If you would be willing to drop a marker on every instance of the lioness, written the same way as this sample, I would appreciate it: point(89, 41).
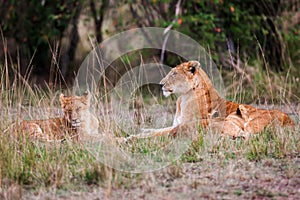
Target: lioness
point(76, 121)
point(200, 103)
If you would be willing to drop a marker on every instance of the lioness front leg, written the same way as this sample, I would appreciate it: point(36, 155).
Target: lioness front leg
point(151, 133)
point(185, 128)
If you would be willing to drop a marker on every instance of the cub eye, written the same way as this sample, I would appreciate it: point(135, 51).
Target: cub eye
point(173, 74)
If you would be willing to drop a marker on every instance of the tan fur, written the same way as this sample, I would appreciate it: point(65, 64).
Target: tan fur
point(232, 125)
point(76, 121)
point(199, 100)
point(257, 119)
point(80, 109)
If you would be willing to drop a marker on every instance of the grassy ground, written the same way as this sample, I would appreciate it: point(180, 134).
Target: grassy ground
point(217, 168)
point(264, 167)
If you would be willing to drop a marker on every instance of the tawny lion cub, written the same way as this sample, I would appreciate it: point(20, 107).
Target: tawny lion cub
point(257, 119)
point(199, 101)
point(75, 122)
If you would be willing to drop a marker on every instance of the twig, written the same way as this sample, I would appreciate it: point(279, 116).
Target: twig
point(167, 31)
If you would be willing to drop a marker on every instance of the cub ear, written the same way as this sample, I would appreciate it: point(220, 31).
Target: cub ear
point(238, 112)
point(243, 111)
point(193, 66)
point(61, 97)
point(242, 108)
point(87, 95)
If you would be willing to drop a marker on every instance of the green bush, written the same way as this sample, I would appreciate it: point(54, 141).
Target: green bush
point(241, 27)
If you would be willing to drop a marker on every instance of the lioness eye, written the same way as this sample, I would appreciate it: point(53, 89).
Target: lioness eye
point(173, 73)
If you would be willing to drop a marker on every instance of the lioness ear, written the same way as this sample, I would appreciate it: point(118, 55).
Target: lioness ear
point(192, 69)
point(193, 65)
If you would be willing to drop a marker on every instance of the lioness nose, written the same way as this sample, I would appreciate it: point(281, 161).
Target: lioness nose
point(162, 83)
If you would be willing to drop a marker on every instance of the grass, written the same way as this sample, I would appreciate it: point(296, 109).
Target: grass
point(264, 166)
point(62, 169)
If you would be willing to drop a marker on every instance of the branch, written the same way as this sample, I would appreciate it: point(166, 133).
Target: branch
point(98, 19)
point(167, 31)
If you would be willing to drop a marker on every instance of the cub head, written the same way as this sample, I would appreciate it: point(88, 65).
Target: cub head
point(74, 107)
point(181, 79)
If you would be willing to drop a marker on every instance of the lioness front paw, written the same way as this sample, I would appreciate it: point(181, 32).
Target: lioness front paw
point(129, 139)
point(147, 130)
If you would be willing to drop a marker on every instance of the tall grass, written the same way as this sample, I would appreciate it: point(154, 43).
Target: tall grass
point(33, 165)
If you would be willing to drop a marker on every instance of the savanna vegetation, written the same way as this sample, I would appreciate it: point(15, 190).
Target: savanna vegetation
point(255, 44)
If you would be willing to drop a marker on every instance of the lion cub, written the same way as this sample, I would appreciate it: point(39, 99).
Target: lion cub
point(257, 119)
point(75, 123)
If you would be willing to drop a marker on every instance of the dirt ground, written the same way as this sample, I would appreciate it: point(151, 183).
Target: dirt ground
point(214, 177)
point(207, 179)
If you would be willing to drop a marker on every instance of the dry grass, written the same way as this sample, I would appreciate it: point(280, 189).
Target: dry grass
point(265, 166)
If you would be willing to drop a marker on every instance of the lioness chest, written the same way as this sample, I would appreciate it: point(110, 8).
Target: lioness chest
point(193, 108)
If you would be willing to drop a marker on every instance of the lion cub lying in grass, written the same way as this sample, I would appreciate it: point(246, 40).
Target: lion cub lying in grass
point(200, 104)
point(75, 123)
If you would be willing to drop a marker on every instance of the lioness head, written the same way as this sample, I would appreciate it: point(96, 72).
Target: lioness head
point(74, 107)
point(181, 79)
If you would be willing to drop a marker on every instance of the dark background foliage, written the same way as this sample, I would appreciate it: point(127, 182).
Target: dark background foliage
point(41, 36)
